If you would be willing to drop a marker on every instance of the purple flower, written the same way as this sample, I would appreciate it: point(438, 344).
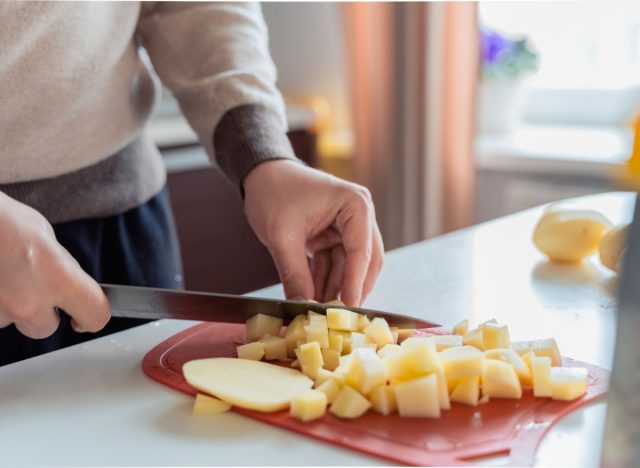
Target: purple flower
point(493, 46)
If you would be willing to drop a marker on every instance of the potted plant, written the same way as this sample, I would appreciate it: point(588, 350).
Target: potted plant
point(505, 65)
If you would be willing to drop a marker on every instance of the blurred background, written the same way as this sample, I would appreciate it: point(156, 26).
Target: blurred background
point(451, 113)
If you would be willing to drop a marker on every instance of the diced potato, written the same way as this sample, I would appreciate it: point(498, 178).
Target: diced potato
point(416, 358)
point(394, 333)
point(541, 370)
point(473, 338)
point(247, 384)
point(360, 338)
point(317, 332)
point(366, 371)
point(331, 358)
point(260, 325)
point(371, 346)
point(322, 376)
point(349, 404)
point(335, 343)
point(341, 373)
point(500, 380)
point(443, 391)
point(295, 333)
point(568, 383)
point(378, 331)
point(315, 317)
point(446, 341)
point(342, 319)
point(546, 347)
point(495, 335)
point(308, 405)
point(461, 328)
point(452, 383)
point(330, 388)
point(310, 358)
point(206, 405)
point(418, 397)
point(274, 347)
point(404, 333)
point(462, 361)
point(345, 337)
point(569, 235)
point(383, 400)
point(253, 351)
point(389, 349)
point(612, 245)
point(467, 391)
point(363, 321)
point(508, 355)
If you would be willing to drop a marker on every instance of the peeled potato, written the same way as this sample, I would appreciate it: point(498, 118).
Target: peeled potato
point(612, 246)
point(570, 235)
point(247, 384)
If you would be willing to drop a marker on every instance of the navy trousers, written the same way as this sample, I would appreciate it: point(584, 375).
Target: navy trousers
point(138, 247)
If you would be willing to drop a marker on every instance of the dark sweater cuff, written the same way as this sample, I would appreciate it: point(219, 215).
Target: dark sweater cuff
point(247, 136)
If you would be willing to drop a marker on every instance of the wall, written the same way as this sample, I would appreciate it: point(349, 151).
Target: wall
point(307, 45)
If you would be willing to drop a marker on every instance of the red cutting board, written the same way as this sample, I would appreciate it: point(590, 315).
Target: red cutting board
point(500, 426)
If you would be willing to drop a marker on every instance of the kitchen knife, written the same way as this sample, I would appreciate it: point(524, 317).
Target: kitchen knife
point(152, 303)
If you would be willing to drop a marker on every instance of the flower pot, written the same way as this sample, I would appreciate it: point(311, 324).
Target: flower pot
point(500, 104)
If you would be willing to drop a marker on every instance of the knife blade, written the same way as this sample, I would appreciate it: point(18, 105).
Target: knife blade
point(154, 303)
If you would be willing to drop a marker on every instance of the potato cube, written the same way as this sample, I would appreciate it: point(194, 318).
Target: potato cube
point(546, 347)
point(378, 331)
point(371, 346)
point(388, 349)
point(253, 351)
point(295, 333)
point(404, 333)
point(342, 319)
point(331, 358)
point(473, 338)
point(363, 321)
point(462, 361)
point(416, 358)
point(467, 391)
point(260, 325)
point(274, 347)
point(418, 397)
point(541, 370)
point(341, 373)
point(322, 376)
point(330, 388)
point(317, 332)
point(500, 380)
point(495, 335)
point(345, 338)
point(461, 327)
point(349, 404)
point(443, 391)
point(335, 343)
point(568, 383)
point(205, 405)
point(366, 371)
point(383, 400)
point(394, 333)
point(317, 320)
point(308, 405)
point(446, 341)
point(510, 356)
point(359, 338)
point(310, 358)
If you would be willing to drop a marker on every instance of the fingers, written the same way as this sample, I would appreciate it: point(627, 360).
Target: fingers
point(39, 323)
point(377, 256)
point(334, 280)
point(324, 241)
point(292, 264)
point(320, 264)
point(81, 297)
point(355, 224)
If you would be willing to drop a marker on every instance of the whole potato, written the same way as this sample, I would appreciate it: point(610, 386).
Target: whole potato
point(569, 236)
point(612, 244)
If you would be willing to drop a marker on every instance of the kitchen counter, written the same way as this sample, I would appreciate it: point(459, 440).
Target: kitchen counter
point(92, 405)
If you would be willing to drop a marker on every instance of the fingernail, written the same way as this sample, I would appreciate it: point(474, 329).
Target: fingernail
point(298, 298)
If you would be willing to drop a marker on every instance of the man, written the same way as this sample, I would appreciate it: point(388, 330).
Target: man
point(81, 185)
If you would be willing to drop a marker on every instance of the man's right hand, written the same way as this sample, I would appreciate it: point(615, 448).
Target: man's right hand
point(37, 275)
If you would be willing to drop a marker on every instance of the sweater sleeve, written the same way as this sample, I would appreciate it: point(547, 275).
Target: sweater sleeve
point(215, 59)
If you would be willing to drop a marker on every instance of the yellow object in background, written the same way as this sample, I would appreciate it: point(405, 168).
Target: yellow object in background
point(630, 177)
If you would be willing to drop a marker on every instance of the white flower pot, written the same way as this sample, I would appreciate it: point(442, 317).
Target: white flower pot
point(500, 105)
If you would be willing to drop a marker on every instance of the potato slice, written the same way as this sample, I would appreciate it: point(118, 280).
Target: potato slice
point(247, 384)
point(570, 235)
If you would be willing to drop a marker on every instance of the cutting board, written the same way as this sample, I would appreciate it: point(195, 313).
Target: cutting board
point(501, 426)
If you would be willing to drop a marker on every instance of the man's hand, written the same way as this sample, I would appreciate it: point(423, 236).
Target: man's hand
point(320, 230)
point(37, 275)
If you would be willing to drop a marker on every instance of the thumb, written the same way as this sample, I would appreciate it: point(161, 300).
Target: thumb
point(293, 268)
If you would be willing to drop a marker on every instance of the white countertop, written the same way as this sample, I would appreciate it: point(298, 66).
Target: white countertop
point(92, 405)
